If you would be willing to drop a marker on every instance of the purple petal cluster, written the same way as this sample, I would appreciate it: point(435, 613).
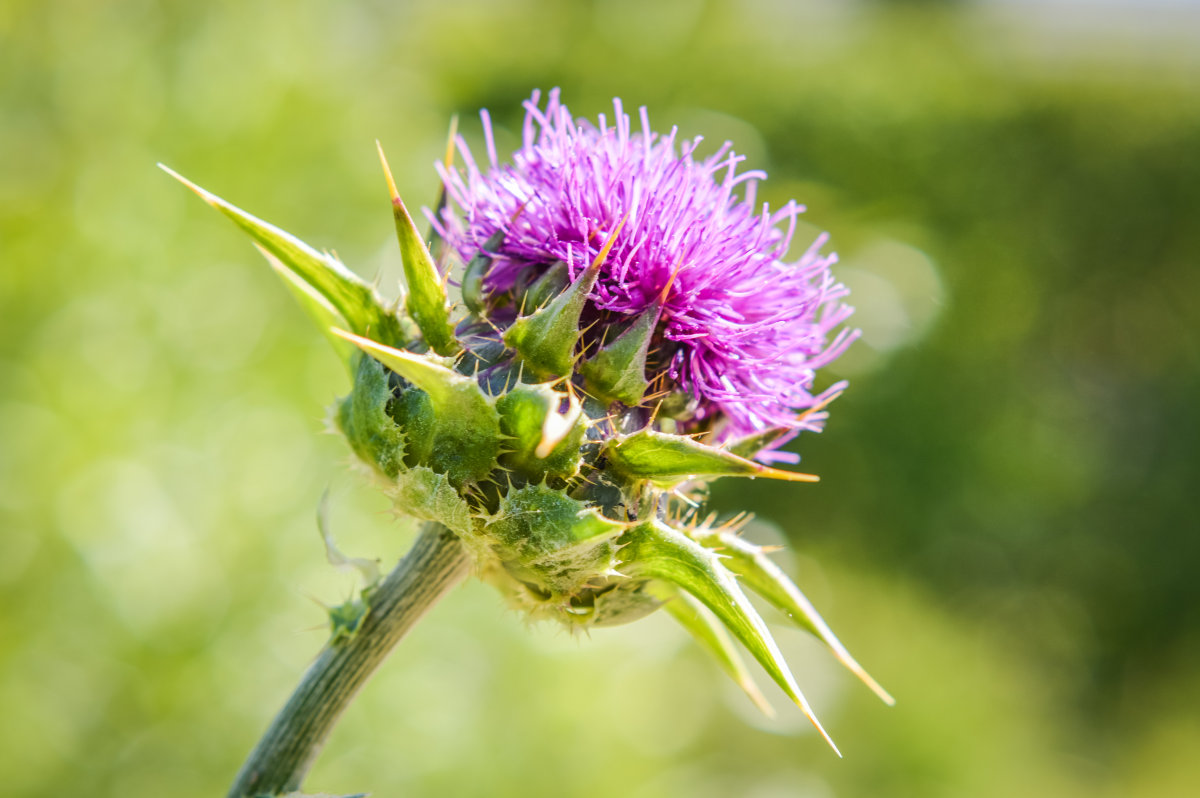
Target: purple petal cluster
point(744, 330)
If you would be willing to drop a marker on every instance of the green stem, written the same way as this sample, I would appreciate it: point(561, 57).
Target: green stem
point(282, 758)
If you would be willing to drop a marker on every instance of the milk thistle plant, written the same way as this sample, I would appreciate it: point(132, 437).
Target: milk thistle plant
point(625, 330)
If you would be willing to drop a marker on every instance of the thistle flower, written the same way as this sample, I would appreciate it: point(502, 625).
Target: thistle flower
point(629, 331)
point(741, 330)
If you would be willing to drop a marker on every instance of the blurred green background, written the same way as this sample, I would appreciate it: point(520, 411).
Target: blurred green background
point(1005, 533)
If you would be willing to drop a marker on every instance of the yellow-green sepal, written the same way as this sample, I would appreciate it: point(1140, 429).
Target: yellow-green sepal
point(318, 308)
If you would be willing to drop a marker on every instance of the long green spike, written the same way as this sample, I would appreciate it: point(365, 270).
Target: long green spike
point(352, 298)
point(315, 305)
point(426, 301)
point(546, 338)
point(701, 624)
point(657, 551)
point(767, 579)
point(667, 460)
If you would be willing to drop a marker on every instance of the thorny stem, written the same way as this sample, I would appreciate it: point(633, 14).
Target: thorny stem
point(282, 758)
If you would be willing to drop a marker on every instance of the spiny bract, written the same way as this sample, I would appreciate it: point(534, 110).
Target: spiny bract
point(627, 334)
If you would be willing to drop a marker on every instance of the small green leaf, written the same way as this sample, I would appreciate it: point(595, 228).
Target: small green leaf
point(693, 616)
point(535, 520)
point(426, 301)
point(668, 460)
point(344, 620)
point(465, 439)
point(767, 579)
point(343, 290)
point(656, 551)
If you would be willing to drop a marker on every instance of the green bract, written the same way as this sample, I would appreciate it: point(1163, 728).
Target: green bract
point(541, 453)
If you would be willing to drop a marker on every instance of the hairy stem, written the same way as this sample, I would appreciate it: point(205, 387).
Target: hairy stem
point(289, 747)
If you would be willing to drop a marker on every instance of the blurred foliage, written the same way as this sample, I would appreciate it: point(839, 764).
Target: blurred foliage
point(1005, 528)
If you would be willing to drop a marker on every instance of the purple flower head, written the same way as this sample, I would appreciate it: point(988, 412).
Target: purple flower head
point(742, 330)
